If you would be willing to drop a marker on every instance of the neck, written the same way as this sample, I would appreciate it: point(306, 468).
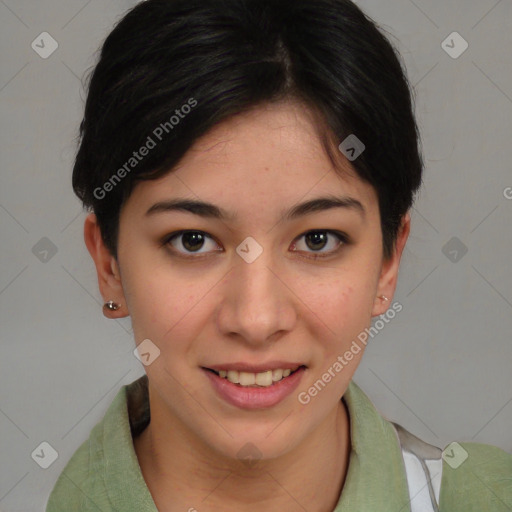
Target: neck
point(187, 476)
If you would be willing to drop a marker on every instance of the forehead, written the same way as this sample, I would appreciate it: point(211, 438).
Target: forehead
point(268, 157)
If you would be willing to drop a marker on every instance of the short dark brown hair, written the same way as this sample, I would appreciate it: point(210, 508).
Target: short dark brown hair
point(177, 68)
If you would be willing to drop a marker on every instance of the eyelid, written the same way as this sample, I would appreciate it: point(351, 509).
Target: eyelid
point(342, 237)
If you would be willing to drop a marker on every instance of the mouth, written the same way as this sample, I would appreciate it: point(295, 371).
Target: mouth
point(262, 379)
point(254, 387)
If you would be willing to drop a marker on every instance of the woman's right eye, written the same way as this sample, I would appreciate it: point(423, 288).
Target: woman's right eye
point(188, 243)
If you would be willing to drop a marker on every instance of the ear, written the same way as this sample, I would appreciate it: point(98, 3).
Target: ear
point(389, 271)
point(107, 268)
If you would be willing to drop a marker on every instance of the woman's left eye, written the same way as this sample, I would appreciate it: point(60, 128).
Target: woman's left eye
point(318, 239)
point(188, 243)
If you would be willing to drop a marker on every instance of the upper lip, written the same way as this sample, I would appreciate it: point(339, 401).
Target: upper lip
point(254, 368)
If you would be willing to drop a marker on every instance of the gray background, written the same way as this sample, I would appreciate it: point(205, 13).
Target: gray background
point(441, 368)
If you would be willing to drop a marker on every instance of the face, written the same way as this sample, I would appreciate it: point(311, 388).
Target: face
point(252, 283)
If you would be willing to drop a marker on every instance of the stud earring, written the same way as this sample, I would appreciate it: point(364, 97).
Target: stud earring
point(111, 306)
point(383, 297)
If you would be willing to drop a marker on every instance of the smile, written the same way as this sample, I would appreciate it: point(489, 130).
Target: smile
point(255, 390)
point(261, 379)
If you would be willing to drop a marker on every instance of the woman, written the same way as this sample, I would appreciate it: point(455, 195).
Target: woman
point(250, 166)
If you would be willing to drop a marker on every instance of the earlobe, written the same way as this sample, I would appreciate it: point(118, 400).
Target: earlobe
point(107, 269)
point(389, 272)
point(381, 305)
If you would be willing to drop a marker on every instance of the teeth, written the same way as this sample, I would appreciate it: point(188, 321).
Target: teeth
point(277, 375)
point(247, 379)
point(262, 379)
point(233, 376)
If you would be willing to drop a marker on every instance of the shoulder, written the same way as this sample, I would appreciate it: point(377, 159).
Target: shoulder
point(81, 484)
point(77, 485)
point(464, 477)
point(476, 476)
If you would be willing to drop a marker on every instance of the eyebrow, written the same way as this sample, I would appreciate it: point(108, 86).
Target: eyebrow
point(209, 210)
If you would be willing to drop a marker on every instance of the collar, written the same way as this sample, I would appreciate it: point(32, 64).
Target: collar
point(375, 478)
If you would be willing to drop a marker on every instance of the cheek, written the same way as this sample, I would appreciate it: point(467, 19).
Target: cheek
point(342, 301)
point(150, 299)
point(167, 307)
point(344, 306)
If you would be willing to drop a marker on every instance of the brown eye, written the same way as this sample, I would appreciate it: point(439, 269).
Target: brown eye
point(317, 240)
point(186, 242)
point(192, 241)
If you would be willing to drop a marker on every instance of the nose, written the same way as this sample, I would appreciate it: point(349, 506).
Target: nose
point(257, 305)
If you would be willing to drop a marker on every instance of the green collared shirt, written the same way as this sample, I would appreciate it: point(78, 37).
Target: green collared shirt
point(104, 473)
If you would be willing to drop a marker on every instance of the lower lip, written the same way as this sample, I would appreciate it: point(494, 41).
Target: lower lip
point(253, 397)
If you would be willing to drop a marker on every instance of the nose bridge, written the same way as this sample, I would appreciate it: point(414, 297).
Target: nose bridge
point(256, 304)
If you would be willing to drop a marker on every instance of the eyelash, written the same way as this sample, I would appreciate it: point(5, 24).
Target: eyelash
point(342, 237)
